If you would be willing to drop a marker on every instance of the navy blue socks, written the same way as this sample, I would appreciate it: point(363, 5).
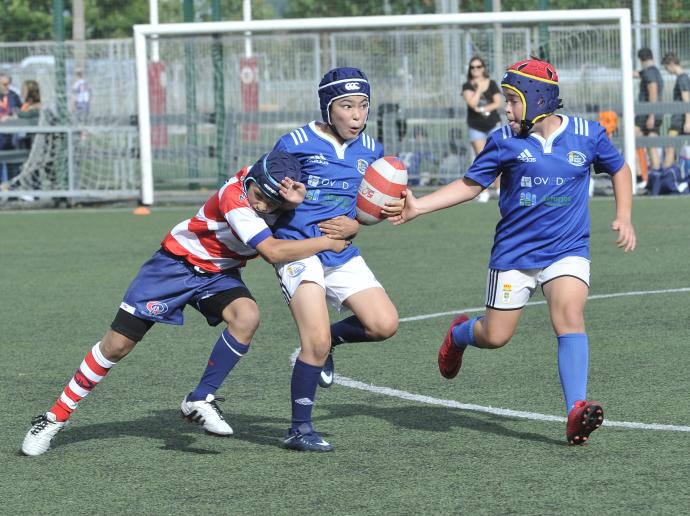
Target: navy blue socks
point(305, 378)
point(348, 330)
point(225, 355)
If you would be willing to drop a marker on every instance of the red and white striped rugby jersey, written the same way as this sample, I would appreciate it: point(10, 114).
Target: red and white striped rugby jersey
point(224, 233)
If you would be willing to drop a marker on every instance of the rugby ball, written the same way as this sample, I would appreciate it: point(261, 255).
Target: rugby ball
point(384, 180)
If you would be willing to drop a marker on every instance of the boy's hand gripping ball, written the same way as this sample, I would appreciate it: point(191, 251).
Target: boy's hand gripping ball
point(384, 180)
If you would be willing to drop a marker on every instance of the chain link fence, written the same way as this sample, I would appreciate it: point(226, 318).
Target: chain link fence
point(203, 129)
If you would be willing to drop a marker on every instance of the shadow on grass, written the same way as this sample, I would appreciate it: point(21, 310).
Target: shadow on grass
point(175, 433)
point(436, 419)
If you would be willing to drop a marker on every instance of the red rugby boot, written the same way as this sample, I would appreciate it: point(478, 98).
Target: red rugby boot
point(449, 356)
point(584, 418)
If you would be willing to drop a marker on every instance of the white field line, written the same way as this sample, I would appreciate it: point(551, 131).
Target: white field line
point(543, 302)
point(419, 398)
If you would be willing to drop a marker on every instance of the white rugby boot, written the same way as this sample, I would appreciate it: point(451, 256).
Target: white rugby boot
point(207, 413)
point(44, 428)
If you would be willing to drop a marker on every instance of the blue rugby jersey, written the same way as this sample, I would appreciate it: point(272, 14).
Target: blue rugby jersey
point(544, 191)
point(332, 174)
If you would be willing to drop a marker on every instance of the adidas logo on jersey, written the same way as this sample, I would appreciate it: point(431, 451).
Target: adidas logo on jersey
point(319, 159)
point(526, 157)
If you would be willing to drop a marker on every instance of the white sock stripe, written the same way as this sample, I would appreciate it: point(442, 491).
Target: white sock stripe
point(230, 346)
point(77, 389)
point(88, 372)
point(98, 356)
point(68, 401)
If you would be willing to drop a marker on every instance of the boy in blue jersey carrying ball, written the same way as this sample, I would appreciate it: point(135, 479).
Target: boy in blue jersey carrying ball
point(334, 155)
point(542, 238)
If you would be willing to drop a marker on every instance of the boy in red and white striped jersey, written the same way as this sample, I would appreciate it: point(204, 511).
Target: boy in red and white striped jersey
point(199, 264)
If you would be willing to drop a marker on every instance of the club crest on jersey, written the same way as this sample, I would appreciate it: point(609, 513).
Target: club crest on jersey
point(295, 269)
point(576, 158)
point(156, 308)
point(362, 166)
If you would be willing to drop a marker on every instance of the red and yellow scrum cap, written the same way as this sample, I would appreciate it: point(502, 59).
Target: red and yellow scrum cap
point(536, 82)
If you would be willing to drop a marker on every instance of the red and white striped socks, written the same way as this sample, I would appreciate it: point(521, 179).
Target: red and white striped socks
point(92, 370)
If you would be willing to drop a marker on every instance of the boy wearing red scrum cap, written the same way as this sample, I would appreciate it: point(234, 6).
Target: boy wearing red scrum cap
point(542, 238)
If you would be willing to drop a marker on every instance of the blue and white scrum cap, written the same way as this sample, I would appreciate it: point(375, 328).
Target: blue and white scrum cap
point(270, 170)
point(338, 83)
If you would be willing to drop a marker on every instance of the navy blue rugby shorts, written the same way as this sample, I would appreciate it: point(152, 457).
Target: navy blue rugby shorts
point(165, 284)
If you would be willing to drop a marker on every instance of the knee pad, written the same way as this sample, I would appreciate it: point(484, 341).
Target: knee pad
point(130, 326)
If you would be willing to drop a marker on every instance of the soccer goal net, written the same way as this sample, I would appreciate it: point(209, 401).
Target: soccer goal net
point(83, 141)
point(213, 97)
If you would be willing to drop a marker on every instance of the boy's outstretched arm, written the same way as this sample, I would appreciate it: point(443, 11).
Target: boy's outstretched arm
point(622, 191)
point(409, 207)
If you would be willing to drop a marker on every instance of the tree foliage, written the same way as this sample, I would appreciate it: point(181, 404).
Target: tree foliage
point(25, 20)
point(113, 18)
point(32, 20)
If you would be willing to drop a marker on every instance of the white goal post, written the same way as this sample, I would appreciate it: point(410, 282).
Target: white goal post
point(143, 33)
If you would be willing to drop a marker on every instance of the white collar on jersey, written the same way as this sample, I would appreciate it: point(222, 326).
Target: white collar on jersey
point(548, 144)
point(337, 147)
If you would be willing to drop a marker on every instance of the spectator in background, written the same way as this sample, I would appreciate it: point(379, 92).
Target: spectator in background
point(651, 87)
point(81, 95)
point(30, 109)
point(483, 98)
point(15, 90)
point(680, 121)
point(9, 104)
point(31, 106)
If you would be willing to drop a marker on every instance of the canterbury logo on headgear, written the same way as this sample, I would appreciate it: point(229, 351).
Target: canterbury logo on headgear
point(338, 83)
point(350, 84)
point(267, 186)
